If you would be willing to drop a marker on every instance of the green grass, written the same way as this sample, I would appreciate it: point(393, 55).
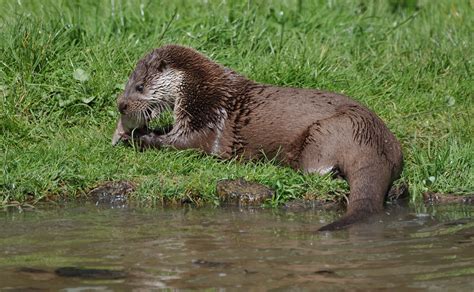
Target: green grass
point(64, 62)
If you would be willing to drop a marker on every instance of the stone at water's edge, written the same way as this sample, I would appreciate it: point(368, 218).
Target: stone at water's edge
point(438, 198)
point(398, 193)
point(112, 194)
point(243, 193)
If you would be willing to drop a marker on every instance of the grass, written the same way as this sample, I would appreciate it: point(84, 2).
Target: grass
point(64, 62)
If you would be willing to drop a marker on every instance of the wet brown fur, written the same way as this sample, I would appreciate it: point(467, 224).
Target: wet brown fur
point(222, 113)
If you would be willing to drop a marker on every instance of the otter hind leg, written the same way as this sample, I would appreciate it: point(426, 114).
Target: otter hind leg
point(316, 154)
point(329, 147)
point(368, 187)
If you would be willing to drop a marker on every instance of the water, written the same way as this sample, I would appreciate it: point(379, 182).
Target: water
point(235, 249)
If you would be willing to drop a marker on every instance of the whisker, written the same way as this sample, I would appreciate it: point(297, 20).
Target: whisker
point(146, 116)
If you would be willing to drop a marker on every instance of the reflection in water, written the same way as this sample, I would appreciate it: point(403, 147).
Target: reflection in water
point(235, 248)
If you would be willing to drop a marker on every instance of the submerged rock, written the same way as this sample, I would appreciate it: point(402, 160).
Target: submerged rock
point(85, 273)
point(243, 193)
point(89, 273)
point(112, 194)
point(325, 272)
point(210, 264)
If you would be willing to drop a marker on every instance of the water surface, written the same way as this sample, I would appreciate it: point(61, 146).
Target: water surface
point(236, 248)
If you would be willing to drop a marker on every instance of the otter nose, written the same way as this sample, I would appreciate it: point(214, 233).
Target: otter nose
point(122, 107)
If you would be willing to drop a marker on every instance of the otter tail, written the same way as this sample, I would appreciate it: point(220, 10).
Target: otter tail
point(368, 187)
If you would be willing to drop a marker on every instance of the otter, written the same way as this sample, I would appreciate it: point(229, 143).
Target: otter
point(222, 113)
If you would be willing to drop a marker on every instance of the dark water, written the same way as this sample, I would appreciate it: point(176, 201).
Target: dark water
point(143, 249)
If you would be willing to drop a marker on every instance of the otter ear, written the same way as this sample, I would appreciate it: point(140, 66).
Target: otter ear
point(162, 66)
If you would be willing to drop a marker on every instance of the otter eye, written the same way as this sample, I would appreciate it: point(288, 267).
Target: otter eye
point(139, 88)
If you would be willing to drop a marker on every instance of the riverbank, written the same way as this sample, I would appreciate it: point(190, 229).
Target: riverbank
point(63, 65)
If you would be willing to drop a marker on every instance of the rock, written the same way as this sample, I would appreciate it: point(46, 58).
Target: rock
point(398, 193)
point(112, 194)
point(243, 193)
point(439, 198)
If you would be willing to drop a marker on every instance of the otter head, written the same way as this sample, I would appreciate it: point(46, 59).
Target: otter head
point(152, 88)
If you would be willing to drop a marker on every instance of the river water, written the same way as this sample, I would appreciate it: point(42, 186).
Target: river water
point(110, 249)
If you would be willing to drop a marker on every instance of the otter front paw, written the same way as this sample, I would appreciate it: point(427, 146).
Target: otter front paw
point(141, 139)
point(148, 141)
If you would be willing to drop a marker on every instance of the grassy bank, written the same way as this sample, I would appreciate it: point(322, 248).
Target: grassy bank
point(63, 63)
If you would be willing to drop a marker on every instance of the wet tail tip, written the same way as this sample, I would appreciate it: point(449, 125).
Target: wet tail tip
point(342, 223)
